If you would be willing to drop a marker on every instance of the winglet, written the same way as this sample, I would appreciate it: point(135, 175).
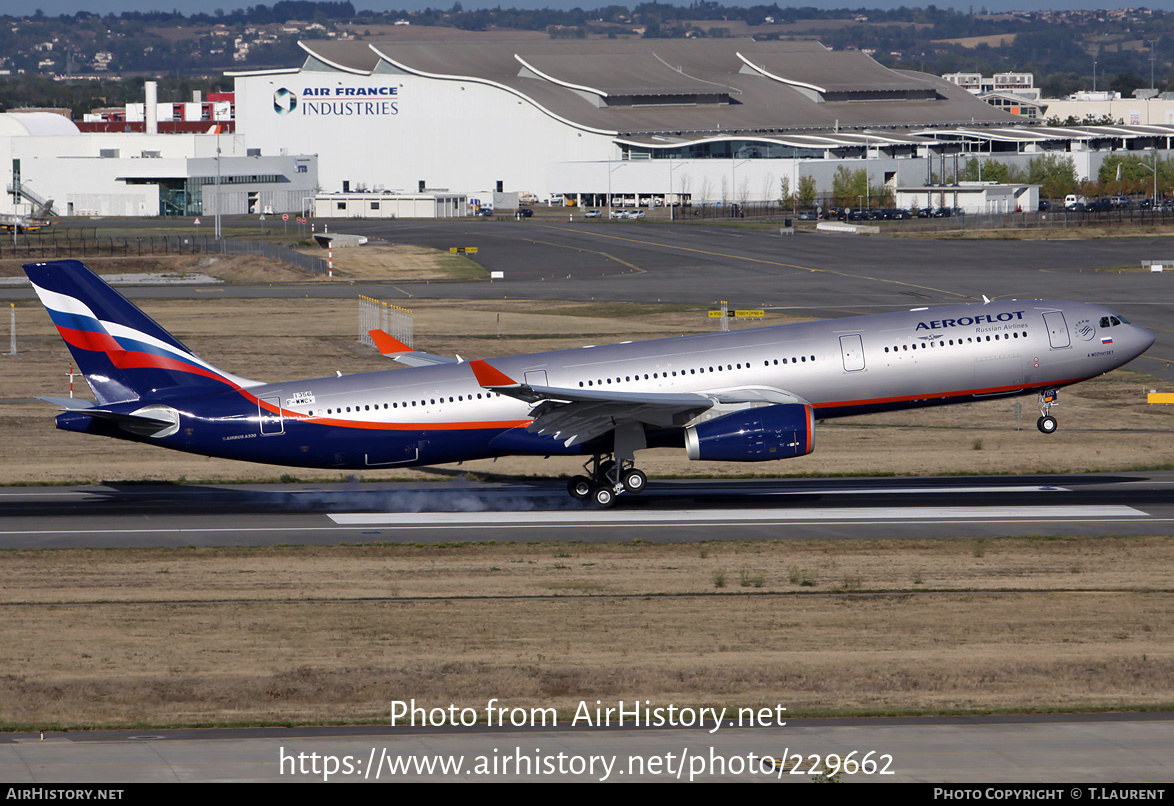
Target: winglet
point(489, 377)
point(387, 344)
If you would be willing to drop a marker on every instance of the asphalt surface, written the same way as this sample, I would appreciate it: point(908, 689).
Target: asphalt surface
point(668, 511)
point(817, 275)
point(1080, 748)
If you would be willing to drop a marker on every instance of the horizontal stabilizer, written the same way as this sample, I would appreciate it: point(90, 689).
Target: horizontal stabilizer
point(395, 349)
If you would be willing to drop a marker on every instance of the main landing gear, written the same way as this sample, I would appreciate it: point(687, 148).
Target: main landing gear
point(1047, 423)
point(608, 479)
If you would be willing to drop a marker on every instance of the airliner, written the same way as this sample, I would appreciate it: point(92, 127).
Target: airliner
point(740, 396)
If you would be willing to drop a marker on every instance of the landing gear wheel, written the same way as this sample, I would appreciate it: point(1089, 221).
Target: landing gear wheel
point(603, 497)
point(1046, 425)
point(635, 481)
point(579, 487)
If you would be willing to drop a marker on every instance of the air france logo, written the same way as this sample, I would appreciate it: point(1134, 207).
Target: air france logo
point(284, 101)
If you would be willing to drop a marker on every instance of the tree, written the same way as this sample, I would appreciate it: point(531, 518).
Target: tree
point(1055, 174)
point(807, 191)
point(847, 185)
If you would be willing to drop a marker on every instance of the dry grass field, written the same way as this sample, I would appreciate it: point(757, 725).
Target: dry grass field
point(221, 636)
point(313, 634)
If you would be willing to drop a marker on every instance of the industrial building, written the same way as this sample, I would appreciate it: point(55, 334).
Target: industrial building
point(643, 121)
point(587, 120)
point(102, 173)
point(627, 122)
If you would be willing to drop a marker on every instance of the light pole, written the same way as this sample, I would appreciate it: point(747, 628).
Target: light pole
point(610, 171)
point(672, 198)
point(218, 198)
point(1154, 169)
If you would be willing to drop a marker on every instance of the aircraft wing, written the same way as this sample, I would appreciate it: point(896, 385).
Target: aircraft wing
point(578, 415)
point(396, 350)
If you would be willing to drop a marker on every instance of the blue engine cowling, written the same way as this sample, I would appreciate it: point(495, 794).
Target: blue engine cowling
point(754, 435)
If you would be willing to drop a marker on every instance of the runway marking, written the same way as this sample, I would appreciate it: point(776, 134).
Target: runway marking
point(577, 517)
point(1019, 488)
point(188, 531)
point(760, 260)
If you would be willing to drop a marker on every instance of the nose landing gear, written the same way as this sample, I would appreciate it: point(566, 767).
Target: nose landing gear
point(1047, 423)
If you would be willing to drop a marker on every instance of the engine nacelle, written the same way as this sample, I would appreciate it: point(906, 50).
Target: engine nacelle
point(757, 434)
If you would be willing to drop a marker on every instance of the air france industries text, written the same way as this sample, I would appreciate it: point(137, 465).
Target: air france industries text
point(630, 714)
point(349, 108)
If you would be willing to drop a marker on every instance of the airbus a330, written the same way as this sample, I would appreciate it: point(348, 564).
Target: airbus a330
point(742, 396)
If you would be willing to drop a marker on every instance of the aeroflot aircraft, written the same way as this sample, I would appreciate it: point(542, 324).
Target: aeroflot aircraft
point(742, 396)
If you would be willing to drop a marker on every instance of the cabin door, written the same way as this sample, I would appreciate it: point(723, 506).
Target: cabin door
point(853, 351)
point(1057, 329)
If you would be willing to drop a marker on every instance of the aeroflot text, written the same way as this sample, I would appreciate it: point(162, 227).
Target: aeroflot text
point(965, 321)
point(633, 714)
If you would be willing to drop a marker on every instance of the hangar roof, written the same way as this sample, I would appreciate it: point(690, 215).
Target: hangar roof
point(20, 124)
point(681, 86)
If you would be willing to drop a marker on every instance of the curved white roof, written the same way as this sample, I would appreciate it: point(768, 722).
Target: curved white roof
point(22, 124)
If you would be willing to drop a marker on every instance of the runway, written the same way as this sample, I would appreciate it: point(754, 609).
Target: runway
point(669, 511)
point(1075, 748)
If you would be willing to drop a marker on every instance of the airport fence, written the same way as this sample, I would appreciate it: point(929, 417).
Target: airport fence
point(1049, 219)
point(43, 247)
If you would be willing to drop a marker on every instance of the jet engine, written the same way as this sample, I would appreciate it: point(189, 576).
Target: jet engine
point(758, 434)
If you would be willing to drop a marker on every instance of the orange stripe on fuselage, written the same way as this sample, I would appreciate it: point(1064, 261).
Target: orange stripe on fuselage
point(937, 395)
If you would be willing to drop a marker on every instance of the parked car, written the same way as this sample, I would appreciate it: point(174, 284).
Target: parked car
point(637, 214)
point(593, 214)
point(619, 213)
point(524, 212)
point(484, 212)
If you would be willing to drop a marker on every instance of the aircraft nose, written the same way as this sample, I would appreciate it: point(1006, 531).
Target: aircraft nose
point(1145, 339)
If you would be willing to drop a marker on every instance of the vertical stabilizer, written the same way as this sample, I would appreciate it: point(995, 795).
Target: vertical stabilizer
point(123, 353)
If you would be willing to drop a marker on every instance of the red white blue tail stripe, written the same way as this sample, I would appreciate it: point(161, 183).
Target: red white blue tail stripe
point(124, 354)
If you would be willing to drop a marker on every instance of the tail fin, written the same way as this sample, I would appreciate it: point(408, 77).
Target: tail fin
point(122, 352)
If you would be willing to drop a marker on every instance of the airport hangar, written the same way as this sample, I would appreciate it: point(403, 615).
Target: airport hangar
point(643, 121)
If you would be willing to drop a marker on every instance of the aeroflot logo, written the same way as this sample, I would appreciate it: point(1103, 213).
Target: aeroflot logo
point(963, 321)
point(337, 101)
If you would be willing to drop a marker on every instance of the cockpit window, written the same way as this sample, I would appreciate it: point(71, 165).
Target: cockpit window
point(1104, 321)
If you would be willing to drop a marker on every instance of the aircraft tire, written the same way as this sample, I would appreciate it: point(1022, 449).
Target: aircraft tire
point(579, 487)
point(635, 481)
point(1046, 425)
point(604, 497)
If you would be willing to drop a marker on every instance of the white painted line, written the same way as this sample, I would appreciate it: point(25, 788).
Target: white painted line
point(583, 517)
point(1020, 488)
point(408, 527)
